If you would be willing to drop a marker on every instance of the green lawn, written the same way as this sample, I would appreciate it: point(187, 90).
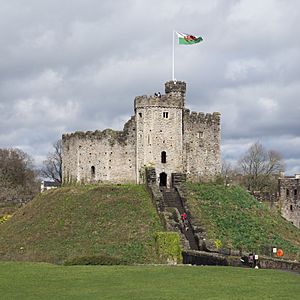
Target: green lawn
point(45, 281)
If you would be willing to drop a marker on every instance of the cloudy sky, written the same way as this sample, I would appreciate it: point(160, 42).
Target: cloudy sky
point(68, 65)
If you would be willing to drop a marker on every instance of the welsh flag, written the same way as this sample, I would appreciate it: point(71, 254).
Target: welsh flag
point(187, 39)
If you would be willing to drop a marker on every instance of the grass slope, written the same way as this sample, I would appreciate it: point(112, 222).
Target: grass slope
point(233, 218)
point(43, 281)
point(112, 220)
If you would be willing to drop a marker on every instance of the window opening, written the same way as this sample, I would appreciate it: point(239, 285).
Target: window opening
point(164, 157)
point(93, 171)
point(140, 114)
point(166, 114)
point(295, 192)
point(291, 207)
point(287, 192)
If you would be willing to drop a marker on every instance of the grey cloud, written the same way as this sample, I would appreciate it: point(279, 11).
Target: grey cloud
point(77, 65)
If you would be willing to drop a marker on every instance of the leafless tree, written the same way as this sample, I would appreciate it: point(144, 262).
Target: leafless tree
point(18, 177)
point(52, 166)
point(227, 171)
point(260, 167)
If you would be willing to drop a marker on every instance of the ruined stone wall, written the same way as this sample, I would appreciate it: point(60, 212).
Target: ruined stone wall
point(202, 139)
point(159, 129)
point(100, 156)
point(289, 189)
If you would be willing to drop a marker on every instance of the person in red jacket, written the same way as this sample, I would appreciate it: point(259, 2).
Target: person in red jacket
point(184, 220)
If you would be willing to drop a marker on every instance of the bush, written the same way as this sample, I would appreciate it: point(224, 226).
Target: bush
point(95, 260)
point(4, 218)
point(168, 247)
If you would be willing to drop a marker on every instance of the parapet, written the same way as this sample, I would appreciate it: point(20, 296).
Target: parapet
point(112, 136)
point(201, 117)
point(175, 86)
point(168, 100)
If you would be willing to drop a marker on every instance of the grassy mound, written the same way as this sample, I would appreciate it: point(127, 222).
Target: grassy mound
point(233, 218)
point(107, 221)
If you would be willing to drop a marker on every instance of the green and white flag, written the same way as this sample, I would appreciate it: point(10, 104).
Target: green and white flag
point(188, 39)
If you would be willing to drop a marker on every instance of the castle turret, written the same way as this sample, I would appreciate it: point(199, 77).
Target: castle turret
point(159, 132)
point(175, 86)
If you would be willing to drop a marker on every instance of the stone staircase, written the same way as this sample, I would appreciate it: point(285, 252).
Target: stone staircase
point(172, 199)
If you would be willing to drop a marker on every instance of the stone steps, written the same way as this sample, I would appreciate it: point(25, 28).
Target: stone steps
point(172, 199)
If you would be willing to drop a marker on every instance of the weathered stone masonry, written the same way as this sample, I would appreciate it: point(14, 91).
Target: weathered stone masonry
point(289, 190)
point(162, 134)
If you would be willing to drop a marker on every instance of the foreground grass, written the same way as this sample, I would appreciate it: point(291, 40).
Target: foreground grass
point(237, 220)
point(44, 281)
point(112, 220)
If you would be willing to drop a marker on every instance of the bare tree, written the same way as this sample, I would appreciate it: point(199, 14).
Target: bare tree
point(52, 166)
point(18, 177)
point(227, 171)
point(259, 167)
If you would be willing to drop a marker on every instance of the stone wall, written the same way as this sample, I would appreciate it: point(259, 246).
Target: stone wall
point(264, 262)
point(162, 134)
point(159, 129)
point(202, 138)
point(100, 156)
point(289, 190)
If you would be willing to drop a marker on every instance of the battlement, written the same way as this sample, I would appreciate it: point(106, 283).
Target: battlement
point(112, 136)
point(201, 117)
point(163, 101)
point(175, 86)
point(161, 133)
point(174, 97)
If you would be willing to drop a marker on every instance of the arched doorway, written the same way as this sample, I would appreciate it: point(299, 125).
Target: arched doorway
point(163, 179)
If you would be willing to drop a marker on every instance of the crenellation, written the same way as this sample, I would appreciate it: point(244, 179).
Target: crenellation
point(161, 134)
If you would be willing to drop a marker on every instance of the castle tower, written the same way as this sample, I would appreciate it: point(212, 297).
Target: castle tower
point(159, 132)
point(162, 134)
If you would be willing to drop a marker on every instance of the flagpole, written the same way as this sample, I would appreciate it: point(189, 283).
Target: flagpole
point(173, 58)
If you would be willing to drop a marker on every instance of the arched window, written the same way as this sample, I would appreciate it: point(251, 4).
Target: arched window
point(164, 157)
point(93, 171)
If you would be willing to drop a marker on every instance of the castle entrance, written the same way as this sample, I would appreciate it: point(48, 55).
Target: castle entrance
point(163, 179)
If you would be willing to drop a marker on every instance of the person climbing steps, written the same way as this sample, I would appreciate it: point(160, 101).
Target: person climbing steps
point(185, 221)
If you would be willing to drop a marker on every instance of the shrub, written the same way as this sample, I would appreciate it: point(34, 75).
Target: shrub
point(4, 218)
point(168, 247)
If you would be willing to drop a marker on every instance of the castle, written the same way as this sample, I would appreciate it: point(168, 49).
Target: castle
point(289, 190)
point(162, 134)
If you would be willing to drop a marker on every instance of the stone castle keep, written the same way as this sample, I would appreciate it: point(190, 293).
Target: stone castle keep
point(162, 134)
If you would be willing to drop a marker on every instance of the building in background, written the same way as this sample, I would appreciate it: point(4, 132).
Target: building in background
point(289, 189)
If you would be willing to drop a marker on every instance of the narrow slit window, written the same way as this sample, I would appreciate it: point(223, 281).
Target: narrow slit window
point(163, 157)
point(93, 172)
point(291, 207)
point(295, 192)
point(287, 192)
point(140, 114)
